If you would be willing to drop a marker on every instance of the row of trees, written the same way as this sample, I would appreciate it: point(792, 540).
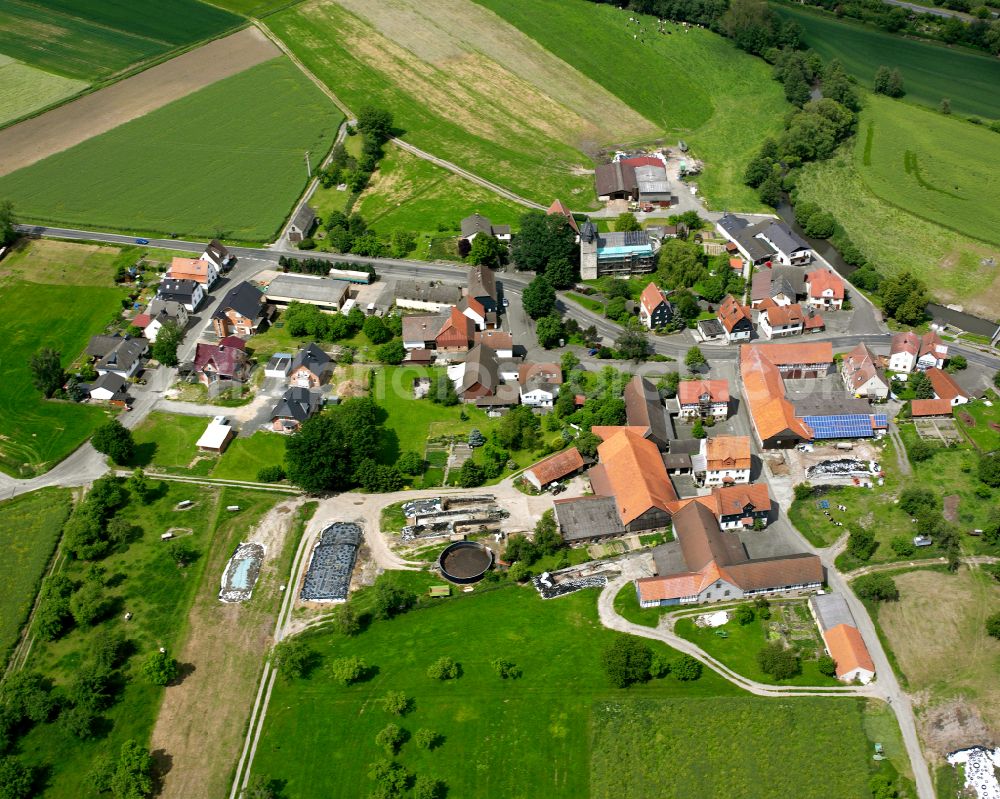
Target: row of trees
point(628, 660)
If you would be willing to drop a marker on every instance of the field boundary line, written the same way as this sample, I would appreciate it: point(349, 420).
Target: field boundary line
point(219, 482)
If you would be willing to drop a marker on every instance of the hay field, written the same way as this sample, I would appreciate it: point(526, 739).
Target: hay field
point(894, 239)
point(90, 39)
point(24, 89)
point(465, 86)
point(931, 71)
point(228, 159)
point(936, 632)
point(692, 83)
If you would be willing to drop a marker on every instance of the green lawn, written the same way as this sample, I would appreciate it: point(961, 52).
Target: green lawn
point(979, 432)
point(145, 580)
point(38, 433)
point(467, 108)
point(939, 174)
point(894, 239)
point(409, 193)
point(696, 85)
point(246, 456)
point(30, 526)
point(739, 650)
point(539, 722)
point(587, 302)
point(746, 747)
point(627, 605)
point(91, 40)
point(168, 440)
point(930, 71)
point(160, 173)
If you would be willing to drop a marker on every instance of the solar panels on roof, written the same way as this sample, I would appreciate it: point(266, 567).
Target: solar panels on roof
point(636, 238)
point(841, 426)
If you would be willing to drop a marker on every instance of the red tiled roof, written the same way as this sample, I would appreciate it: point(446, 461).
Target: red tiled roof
point(820, 280)
point(732, 312)
point(789, 354)
point(905, 342)
point(814, 321)
point(642, 160)
point(930, 407)
point(861, 365)
point(456, 331)
point(944, 385)
point(225, 359)
point(736, 264)
point(141, 320)
point(848, 649)
point(783, 315)
point(651, 297)
point(727, 452)
point(557, 207)
point(764, 391)
point(494, 339)
point(546, 372)
point(557, 466)
point(690, 392)
point(931, 343)
point(636, 475)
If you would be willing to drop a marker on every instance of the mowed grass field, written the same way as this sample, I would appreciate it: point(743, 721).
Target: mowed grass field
point(930, 71)
point(937, 167)
point(465, 86)
point(36, 433)
point(746, 747)
point(24, 89)
point(90, 39)
point(409, 193)
point(693, 84)
point(30, 527)
point(936, 631)
point(501, 738)
point(227, 161)
point(893, 239)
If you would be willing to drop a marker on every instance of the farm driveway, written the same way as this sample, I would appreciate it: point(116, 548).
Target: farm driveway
point(34, 139)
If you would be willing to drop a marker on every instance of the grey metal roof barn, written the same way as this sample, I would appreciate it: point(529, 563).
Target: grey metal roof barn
point(831, 610)
point(588, 518)
point(320, 291)
point(329, 576)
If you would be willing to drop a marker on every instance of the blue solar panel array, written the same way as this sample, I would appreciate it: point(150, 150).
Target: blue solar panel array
point(881, 421)
point(852, 425)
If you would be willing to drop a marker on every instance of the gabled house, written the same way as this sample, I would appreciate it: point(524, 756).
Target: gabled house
point(419, 332)
point(111, 388)
point(945, 387)
point(723, 460)
point(735, 319)
point(296, 405)
point(843, 641)
point(776, 320)
point(196, 269)
point(539, 384)
point(473, 225)
point(217, 254)
point(824, 289)
point(184, 292)
point(863, 374)
point(768, 242)
point(455, 334)
point(480, 375)
point(120, 355)
point(302, 223)
point(555, 467)
point(225, 361)
point(654, 309)
point(327, 294)
point(645, 412)
point(242, 312)
point(426, 295)
point(483, 288)
point(157, 314)
point(703, 399)
point(310, 368)
point(909, 351)
point(500, 341)
point(737, 506)
point(930, 408)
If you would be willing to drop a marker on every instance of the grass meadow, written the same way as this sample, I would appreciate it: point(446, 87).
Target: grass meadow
point(694, 84)
point(38, 433)
point(940, 174)
point(894, 239)
point(24, 89)
point(30, 527)
point(89, 40)
point(930, 71)
point(145, 580)
point(226, 161)
point(747, 747)
point(501, 738)
point(978, 430)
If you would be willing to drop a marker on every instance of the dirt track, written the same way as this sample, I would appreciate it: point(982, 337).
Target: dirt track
point(59, 129)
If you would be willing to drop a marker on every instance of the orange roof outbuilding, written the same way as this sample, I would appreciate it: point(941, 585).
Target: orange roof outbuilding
point(848, 649)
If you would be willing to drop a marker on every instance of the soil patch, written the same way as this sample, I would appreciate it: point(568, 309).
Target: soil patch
point(994, 426)
point(967, 419)
point(57, 130)
point(951, 507)
point(954, 725)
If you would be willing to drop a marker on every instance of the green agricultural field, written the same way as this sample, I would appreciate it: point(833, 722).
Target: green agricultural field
point(739, 648)
point(89, 40)
point(942, 172)
point(501, 738)
point(145, 580)
point(952, 265)
point(30, 527)
point(38, 433)
point(747, 747)
point(465, 107)
point(161, 173)
point(695, 84)
point(24, 89)
point(253, 8)
point(930, 71)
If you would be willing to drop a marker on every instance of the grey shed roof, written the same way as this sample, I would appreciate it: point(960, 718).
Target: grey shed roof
point(110, 381)
point(124, 356)
point(481, 366)
point(831, 610)
point(304, 218)
point(781, 236)
point(733, 224)
point(99, 346)
point(308, 289)
point(177, 288)
point(755, 248)
point(439, 293)
point(585, 518)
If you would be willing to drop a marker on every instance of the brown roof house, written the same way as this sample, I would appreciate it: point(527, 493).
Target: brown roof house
point(555, 467)
point(539, 384)
point(654, 309)
point(719, 569)
point(824, 289)
point(762, 369)
point(197, 269)
point(455, 334)
point(302, 223)
point(311, 367)
point(946, 388)
point(644, 411)
point(243, 312)
point(735, 319)
point(481, 374)
point(223, 362)
point(863, 374)
point(724, 460)
point(909, 351)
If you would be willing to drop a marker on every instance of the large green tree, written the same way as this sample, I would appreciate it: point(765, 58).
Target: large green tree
point(542, 238)
point(168, 338)
point(325, 453)
point(8, 223)
point(539, 298)
point(487, 250)
point(46, 371)
point(114, 440)
point(681, 264)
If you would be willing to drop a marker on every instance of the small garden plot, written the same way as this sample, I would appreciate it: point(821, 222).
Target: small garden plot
point(980, 421)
